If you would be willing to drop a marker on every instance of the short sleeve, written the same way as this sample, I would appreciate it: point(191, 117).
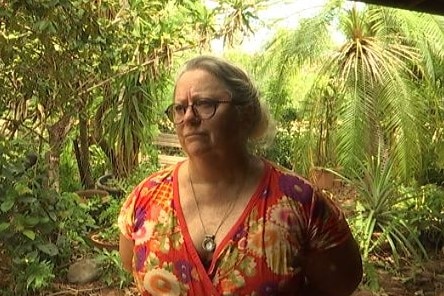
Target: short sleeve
point(133, 208)
point(327, 226)
point(125, 220)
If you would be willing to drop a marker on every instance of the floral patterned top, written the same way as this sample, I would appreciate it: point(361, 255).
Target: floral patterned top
point(284, 218)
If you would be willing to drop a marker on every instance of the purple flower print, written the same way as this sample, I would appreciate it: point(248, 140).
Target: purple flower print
point(240, 233)
point(295, 188)
point(140, 218)
point(140, 257)
point(183, 270)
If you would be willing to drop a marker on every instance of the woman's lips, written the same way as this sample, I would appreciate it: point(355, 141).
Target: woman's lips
point(193, 135)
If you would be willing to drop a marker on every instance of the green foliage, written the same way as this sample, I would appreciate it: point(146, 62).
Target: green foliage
point(381, 222)
point(426, 213)
point(106, 213)
point(112, 271)
point(69, 173)
point(382, 85)
point(433, 164)
point(371, 278)
point(38, 227)
point(145, 168)
point(33, 274)
point(281, 150)
point(107, 220)
point(100, 164)
point(95, 202)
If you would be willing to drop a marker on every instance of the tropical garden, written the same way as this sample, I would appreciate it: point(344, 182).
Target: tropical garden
point(357, 93)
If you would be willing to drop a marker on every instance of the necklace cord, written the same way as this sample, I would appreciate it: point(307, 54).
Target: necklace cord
point(225, 216)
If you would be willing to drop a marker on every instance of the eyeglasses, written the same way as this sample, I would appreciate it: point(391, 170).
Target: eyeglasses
point(203, 109)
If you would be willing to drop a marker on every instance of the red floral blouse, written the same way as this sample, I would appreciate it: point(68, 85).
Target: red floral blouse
point(284, 218)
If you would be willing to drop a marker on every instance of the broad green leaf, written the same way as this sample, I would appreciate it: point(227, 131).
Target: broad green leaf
point(49, 249)
point(3, 226)
point(32, 221)
point(41, 25)
point(29, 233)
point(22, 189)
point(6, 205)
point(52, 215)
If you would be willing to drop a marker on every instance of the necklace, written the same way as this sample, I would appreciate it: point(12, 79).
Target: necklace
point(209, 242)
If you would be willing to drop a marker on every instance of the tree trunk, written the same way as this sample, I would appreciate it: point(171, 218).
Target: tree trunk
point(53, 160)
point(82, 153)
point(57, 134)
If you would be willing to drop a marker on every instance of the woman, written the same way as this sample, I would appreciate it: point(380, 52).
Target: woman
point(225, 222)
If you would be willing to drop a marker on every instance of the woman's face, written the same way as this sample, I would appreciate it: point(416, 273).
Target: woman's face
point(218, 134)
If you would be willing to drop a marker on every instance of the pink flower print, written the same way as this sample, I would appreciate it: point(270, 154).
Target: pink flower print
point(144, 233)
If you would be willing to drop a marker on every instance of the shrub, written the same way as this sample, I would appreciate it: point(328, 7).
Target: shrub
point(426, 213)
point(39, 228)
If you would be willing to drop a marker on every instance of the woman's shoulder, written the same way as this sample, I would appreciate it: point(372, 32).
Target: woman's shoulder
point(294, 185)
point(288, 173)
point(160, 176)
point(154, 180)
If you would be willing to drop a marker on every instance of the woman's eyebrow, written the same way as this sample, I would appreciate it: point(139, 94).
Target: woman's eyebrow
point(196, 97)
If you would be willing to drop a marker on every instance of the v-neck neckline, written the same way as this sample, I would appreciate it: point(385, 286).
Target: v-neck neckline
point(190, 247)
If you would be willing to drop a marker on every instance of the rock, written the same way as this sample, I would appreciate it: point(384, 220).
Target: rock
point(83, 271)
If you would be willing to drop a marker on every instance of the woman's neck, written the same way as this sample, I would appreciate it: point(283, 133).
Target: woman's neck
point(220, 170)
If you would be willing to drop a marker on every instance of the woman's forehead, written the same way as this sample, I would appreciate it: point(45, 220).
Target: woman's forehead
point(197, 83)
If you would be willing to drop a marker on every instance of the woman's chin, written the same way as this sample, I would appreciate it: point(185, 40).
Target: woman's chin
point(196, 150)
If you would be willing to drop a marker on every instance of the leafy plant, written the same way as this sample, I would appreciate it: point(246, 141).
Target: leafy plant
point(69, 173)
point(107, 221)
point(385, 71)
point(426, 213)
point(37, 274)
point(281, 151)
point(381, 221)
point(112, 270)
point(39, 228)
point(371, 279)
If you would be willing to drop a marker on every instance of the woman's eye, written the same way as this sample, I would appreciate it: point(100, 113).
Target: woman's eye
point(204, 104)
point(179, 108)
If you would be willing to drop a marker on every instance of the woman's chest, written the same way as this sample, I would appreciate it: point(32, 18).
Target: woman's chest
point(259, 251)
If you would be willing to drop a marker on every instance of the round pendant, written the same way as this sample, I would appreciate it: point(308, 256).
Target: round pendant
point(208, 244)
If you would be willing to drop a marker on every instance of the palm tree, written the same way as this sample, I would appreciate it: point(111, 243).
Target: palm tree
point(368, 90)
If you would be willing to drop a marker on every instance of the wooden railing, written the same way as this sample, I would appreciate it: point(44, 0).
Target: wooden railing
point(170, 148)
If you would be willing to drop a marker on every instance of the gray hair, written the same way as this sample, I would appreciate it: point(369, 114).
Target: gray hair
point(243, 90)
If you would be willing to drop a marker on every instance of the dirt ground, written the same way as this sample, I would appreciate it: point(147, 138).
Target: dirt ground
point(424, 280)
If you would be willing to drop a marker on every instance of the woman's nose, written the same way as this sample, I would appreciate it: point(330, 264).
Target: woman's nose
point(190, 114)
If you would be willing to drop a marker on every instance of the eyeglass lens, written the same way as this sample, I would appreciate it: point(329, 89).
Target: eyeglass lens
point(202, 109)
